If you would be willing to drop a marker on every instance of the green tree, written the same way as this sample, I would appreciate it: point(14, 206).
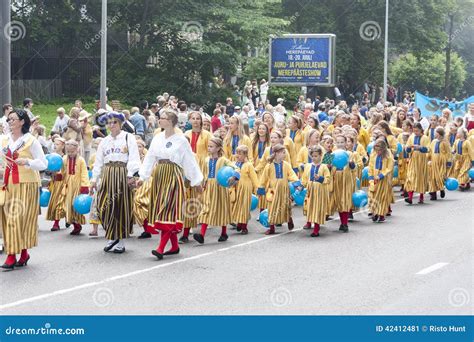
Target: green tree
point(426, 73)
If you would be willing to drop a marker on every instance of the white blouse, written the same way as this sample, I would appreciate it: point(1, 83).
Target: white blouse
point(118, 149)
point(39, 162)
point(176, 149)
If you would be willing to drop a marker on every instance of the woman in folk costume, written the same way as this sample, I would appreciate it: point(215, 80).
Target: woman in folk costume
point(76, 181)
point(274, 184)
point(351, 139)
point(430, 131)
point(452, 136)
point(56, 207)
point(141, 198)
point(295, 133)
point(343, 185)
point(391, 139)
point(316, 178)
point(439, 157)
point(260, 142)
point(94, 219)
point(312, 139)
point(289, 145)
point(117, 162)
point(417, 172)
point(269, 120)
point(380, 181)
point(215, 199)
point(235, 137)
point(241, 194)
point(463, 159)
point(198, 137)
point(24, 158)
point(169, 161)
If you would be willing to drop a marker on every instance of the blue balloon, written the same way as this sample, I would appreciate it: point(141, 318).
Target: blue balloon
point(341, 159)
point(370, 147)
point(451, 184)
point(471, 173)
point(263, 218)
point(223, 175)
point(299, 197)
point(55, 162)
point(365, 173)
point(358, 183)
point(251, 122)
point(292, 188)
point(44, 198)
point(90, 174)
point(82, 204)
point(254, 203)
point(399, 148)
point(359, 199)
point(395, 171)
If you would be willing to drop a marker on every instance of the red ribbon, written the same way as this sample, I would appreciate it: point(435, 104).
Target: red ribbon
point(72, 165)
point(11, 168)
point(194, 140)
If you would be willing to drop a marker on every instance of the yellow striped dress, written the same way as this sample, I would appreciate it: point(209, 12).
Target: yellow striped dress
point(316, 179)
point(193, 201)
point(403, 159)
point(55, 206)
point(380, 189)
point(451, 172)
point(215, 199)
point(463, 157)
point(291, 151)
point(417, 172)
point(440, 155)
point(343, 185)
point(274, 182)
point(75, 178)
point(297, 137)
point(242, 193)
point(231, 145)
point(19, 214)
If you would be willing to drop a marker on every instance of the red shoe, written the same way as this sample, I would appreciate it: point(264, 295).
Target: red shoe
point(270, 231)
point(77, 229)
point(10, 262)
point(55, 227)
point(291, 225)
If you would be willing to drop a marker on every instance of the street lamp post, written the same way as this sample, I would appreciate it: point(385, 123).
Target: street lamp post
point(103, 57)
point(385, 60)
point(5, 53)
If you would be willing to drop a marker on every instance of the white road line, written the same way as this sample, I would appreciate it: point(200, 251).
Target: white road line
point(149, 269)
point(432, 268)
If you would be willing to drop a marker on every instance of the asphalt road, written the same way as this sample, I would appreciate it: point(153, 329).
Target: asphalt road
point(418, 262)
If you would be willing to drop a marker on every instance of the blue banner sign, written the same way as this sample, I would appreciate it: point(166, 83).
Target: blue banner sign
point(431, 105)
point(302, 60)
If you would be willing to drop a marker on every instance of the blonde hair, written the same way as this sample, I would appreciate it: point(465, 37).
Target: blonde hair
point(219, 144)
point(240, 131)
point(275, 149)
point(242, 148)
point(315, 149)
point(310, 134)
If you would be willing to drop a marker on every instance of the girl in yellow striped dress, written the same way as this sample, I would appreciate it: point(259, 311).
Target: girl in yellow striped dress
point(316, 179)
point(453, 132)
point(463, 159)
point(440, 155)
point(235, 137)
point(55, 206)
point(76, 181)
point(295, 133)
point(417, 172)
point(343, 185)
point(261, 141)
point(403, 159)
point(274, 184)
point(430, 131)
point(380, 181)
point(241, 194)
point(197, 136)
point(312, 139)
point(289, 145)
point(215, 199)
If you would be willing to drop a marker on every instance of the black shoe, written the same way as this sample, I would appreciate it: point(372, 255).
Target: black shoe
point(109, 247)
point(344, 228)
point(158, 255)
point(314, 235)
point(239, 229)
point(370, 214)
point(145, 235)
point(433, 196)
point(351, 216)
point(279, 225)
point(23, 263)
point(409, 201)
point(199, 238)
point(443, 193)
point(183, 239)
point(118, 250)
point(8, 267)
point(375, 218)
point(171, 252)
point(223, 238)
point(291, 225)
point(381, 219)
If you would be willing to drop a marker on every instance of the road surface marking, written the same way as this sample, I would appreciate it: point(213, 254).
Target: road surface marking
point(432, 268)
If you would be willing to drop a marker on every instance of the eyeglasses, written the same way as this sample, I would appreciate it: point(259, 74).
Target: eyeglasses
point(112, 122)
